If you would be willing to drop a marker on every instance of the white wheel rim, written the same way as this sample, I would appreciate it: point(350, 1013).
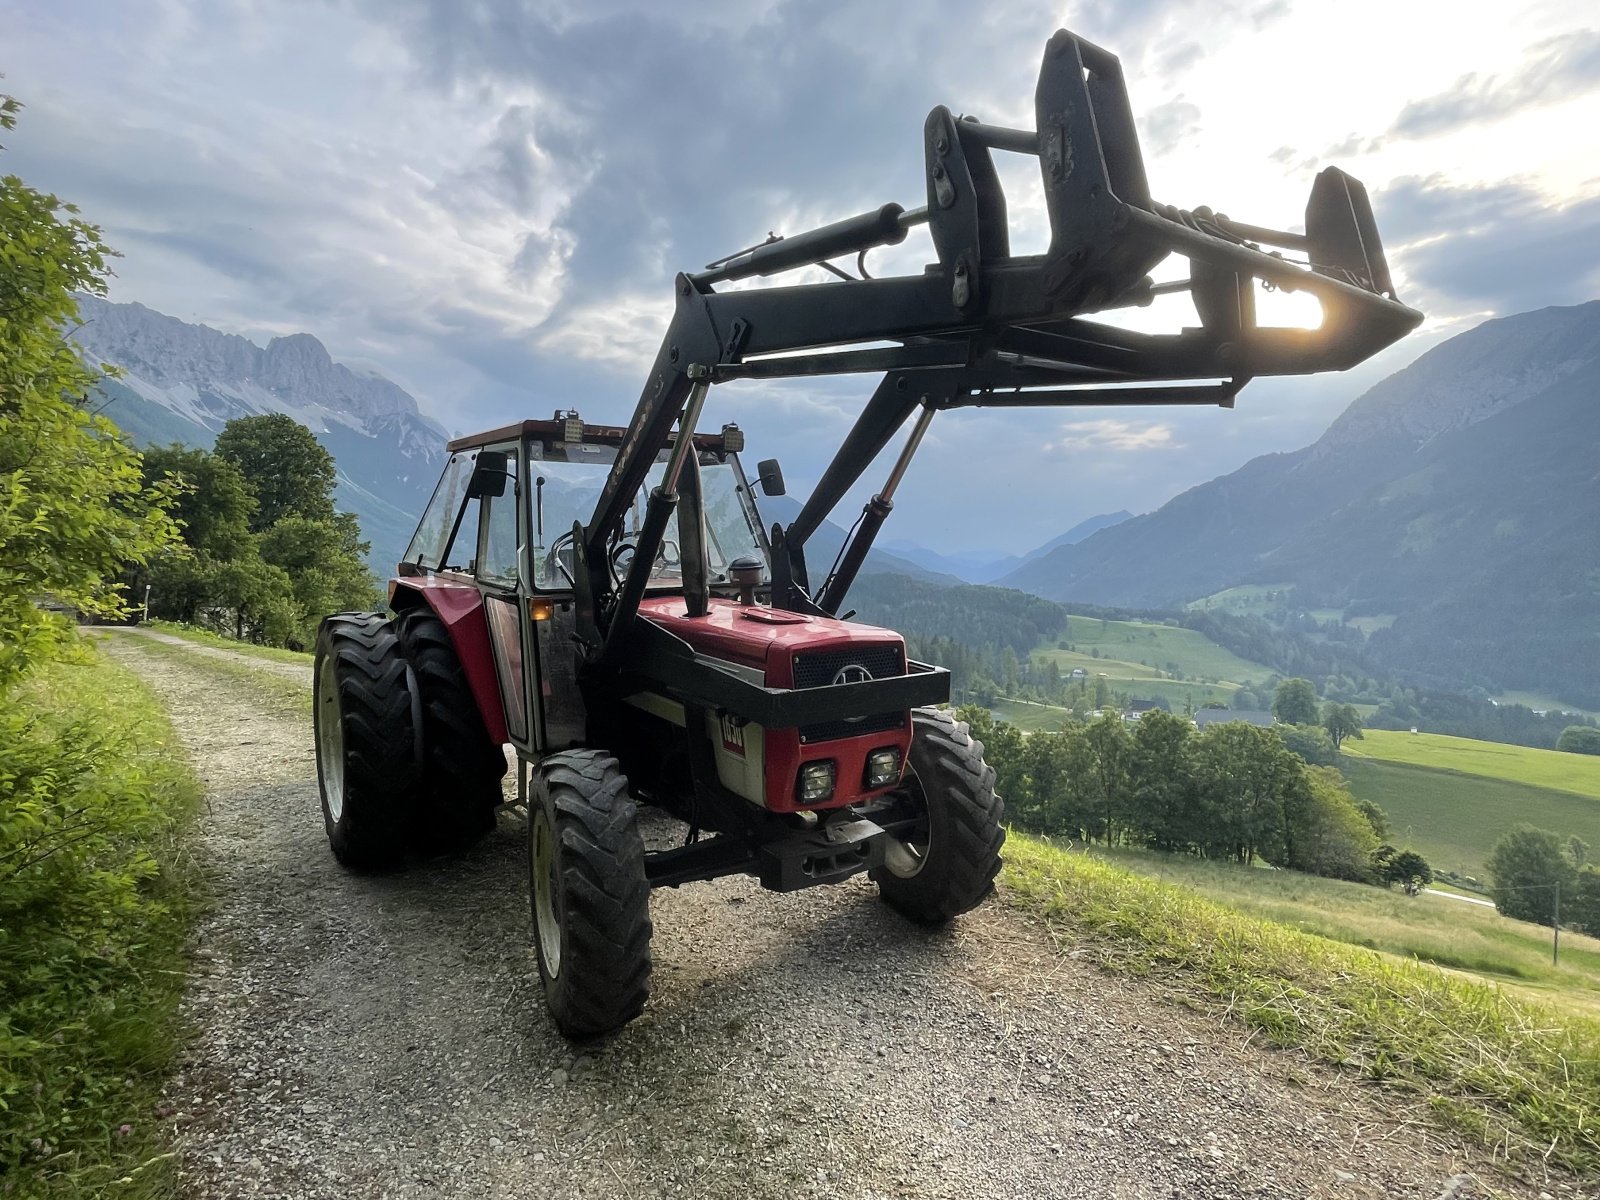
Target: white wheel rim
point(544, 892)
point(330, 741)
point(905, 857)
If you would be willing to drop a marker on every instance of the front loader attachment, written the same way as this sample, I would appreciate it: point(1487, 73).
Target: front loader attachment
point(980, 326)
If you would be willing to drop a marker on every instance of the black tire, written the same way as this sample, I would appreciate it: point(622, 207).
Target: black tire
point(947, 862)
point(365, 739)
point(591, 900)
point(461, 767)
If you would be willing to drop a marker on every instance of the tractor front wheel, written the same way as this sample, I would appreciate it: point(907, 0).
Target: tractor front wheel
point(365, 739)
point(591, 899)
point(944, 852)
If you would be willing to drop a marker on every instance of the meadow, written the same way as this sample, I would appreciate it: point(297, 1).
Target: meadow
point(1433, 929)
point(1553, 770)
point(1454, 819)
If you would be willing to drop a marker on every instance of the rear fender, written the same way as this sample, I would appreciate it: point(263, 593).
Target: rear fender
point(460, 606)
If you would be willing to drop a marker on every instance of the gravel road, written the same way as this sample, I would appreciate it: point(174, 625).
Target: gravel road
point(386, 1037)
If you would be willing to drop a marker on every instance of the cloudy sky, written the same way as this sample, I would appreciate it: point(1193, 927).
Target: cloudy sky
point(485, 200)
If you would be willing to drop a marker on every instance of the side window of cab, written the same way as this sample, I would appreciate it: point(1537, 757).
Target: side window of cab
point(501, 532)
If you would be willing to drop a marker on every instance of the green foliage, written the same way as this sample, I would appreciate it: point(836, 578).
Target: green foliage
point(1527, 865)
point(1406, 869)
point(268, 581)
point(1294, 702)
point(1325, 833)
point(1311, 743)
point(1341, 721)
point(1583, 909)
point(214, 504)
point(1245, 779)
point(1163, 806)
point(94, 897)
point(73, 506)
point(291, 472)
point(1579, 739)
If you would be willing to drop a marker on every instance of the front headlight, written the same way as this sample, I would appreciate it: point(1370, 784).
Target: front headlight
point(883, 767)
point(816, 782)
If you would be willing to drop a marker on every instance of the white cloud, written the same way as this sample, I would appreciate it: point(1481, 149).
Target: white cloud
point(1108, 433)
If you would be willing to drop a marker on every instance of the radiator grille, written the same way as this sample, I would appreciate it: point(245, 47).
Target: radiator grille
point(884, 661)
point(818, 669)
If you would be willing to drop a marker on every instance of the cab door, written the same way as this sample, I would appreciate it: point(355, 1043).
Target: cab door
point(502, 532)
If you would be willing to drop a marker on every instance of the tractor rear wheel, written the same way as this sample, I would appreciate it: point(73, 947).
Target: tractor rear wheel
point(942, 859)
point(591, 899)
point(366, 746)
point(461, 767)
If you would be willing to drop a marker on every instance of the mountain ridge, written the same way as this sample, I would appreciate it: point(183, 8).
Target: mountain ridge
point(1398, 509)
point(183, 382)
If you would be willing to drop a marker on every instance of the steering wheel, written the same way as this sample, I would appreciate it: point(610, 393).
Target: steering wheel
point(621, 557)
point(553, 560)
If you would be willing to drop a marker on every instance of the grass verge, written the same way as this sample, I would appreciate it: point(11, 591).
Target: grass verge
point(97, 893)
point(1518, 1077)
point(205, 637)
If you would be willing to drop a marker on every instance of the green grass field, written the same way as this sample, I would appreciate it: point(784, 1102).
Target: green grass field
point(1454, 820)
point(1433, 929)
point(1549, 769)
point(1139, 658)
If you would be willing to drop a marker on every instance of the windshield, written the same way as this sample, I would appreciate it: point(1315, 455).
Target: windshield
point(567, 480)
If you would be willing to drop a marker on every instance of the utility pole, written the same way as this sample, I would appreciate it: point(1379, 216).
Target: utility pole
point(1555, 928)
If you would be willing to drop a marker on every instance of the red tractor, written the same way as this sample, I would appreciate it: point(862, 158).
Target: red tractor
point(608, 601)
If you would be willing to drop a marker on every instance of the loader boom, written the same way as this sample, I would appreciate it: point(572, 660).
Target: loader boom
point(983, 327)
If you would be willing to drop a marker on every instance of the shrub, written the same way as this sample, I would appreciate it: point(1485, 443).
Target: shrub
point(92, 908)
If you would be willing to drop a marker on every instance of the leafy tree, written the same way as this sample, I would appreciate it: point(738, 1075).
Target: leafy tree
point(1526, 865)
point(1584, 908)
point(1111, 775)
point(1376, 817)
point(1294, 702)
point(1163, 808)
point(214, 504)
point(1310, 743)
point(1002, 749)
point(1060, 766)
point(291, 472)
point(1242, 775)
point(73, 505)
point(1579, 739)
point(1324, 832)
point(1244, 700)
point(1405, 868)
point(1341, 721)
point(325, 561)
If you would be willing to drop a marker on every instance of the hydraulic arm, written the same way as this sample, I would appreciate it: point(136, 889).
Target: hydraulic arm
point(980, 326)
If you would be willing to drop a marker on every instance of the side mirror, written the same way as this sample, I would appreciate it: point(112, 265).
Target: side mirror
point(770, 475)
point(489, 474)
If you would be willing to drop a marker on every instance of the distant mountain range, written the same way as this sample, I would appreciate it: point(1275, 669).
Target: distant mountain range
point(979, 567)
point(183, 383)
point(1460, 496)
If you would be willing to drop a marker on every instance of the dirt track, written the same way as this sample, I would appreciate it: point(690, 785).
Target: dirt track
point(385, 1037)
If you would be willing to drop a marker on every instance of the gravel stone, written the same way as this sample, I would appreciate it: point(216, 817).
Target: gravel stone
point(385, 1036)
